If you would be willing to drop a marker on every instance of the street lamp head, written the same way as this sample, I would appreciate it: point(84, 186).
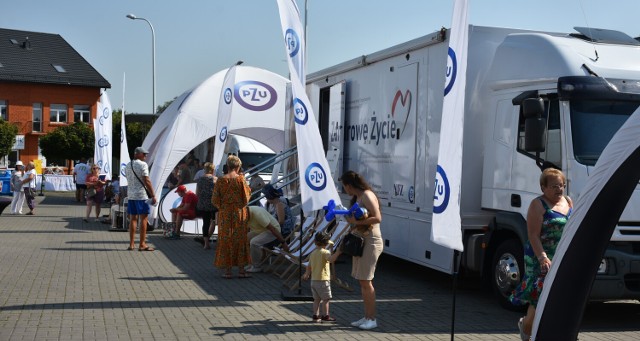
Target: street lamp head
point(239, 62)
point(132, 16)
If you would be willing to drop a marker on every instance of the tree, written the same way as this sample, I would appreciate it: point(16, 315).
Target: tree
point(8, 134)
point(70, 142)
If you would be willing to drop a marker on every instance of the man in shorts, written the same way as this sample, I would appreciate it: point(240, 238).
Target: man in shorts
point(80, 172)
point(186, 209)
point(140, 190)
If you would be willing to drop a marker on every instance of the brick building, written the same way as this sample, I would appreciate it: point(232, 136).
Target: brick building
point(44, 83)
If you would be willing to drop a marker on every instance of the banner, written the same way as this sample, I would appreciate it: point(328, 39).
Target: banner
point(124, 147)
point(224, 115)
point(316, 183)
point(446, 228)
point(103, 130)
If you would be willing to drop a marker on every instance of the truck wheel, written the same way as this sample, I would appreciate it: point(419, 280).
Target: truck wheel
point(507, 270)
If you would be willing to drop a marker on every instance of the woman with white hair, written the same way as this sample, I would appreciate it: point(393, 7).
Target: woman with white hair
point(16, 188)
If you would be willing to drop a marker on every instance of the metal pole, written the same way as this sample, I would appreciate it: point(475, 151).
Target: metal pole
point(153, 59)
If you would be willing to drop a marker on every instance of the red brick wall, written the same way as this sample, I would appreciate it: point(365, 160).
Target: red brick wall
point(21, 96)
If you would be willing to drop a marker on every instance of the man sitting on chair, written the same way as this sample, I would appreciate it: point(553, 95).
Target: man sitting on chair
point(186, 209)
point(264, 229)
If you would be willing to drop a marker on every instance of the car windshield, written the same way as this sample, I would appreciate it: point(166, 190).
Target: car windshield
point(256, 159)
point(593, 124)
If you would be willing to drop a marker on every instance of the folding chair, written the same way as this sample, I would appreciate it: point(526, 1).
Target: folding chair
point(338, 233)
point(307, 243)
point(294, 242)
point(295, 257)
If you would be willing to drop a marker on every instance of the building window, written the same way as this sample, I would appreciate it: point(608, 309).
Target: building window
point(37, 117)
point(58, 113)
point(81, 113)
point(3, 110)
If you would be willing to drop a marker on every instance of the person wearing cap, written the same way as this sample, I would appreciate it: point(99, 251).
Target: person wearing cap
point(278, 206)
point(139, 191)
point(16, 188)
point(186, 209)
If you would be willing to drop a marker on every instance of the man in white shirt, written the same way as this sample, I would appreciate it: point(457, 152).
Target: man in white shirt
point(139, 192)
point(80, 172)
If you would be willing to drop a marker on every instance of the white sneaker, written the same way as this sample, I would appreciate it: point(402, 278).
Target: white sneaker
point(254, 269)
point(368, 324)
point(359, 322)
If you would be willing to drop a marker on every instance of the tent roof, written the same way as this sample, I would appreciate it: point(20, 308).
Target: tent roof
point(258, 112)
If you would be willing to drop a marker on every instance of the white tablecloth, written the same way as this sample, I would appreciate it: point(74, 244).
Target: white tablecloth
point(59, 183)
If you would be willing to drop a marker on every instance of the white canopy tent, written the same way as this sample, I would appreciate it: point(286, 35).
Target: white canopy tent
point(259, 112)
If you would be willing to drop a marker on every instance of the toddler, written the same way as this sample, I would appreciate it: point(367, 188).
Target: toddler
point(320, 272)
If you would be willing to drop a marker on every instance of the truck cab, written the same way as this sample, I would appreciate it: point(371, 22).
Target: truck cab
point(590, 85)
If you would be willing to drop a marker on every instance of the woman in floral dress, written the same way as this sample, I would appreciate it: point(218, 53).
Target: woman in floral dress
point(231, 195)
point(546, 219)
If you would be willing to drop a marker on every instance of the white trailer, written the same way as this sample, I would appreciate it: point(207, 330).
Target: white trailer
point(380, 115)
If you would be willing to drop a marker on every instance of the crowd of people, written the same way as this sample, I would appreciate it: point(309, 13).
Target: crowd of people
point(244, 229)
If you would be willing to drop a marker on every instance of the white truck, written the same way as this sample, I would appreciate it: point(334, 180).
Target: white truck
point(380, 115)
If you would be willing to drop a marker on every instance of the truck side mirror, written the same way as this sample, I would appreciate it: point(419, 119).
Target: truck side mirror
point(534, 125)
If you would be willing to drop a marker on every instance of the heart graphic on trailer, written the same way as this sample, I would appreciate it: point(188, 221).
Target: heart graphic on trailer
point(402, 102)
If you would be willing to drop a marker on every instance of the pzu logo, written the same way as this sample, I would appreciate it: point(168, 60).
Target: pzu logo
point(316, 177)
point(223, 134)
point(228, 95)
point(300, 112)
point(103, 141)
point(123, 167)
point(442, 191)
point(452, 71)
point(292, 40)
point(105, 114)
point(255, 95)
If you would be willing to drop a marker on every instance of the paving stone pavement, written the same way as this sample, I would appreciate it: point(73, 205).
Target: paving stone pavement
point(64, 279)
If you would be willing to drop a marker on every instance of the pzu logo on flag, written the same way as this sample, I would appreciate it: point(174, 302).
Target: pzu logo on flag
point(300, 112)
point(292, 40)
point(228, 95)
point(316, 177)
point(103, 141)
point(442, 191)
point(223, 134)
point(452, 71)
point(105, 114)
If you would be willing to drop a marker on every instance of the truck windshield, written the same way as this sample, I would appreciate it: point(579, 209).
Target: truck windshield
point(593, 124)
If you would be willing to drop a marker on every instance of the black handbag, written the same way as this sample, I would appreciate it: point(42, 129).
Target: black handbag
point(352, 245)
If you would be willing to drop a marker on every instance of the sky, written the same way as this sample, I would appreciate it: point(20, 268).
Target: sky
point(197, 38)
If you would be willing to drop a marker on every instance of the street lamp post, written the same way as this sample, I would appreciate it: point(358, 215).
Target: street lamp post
point(153, 57)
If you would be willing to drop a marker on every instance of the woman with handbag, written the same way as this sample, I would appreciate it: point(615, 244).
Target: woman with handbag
point(364, 267)
point(29, 186)
point(94, 192)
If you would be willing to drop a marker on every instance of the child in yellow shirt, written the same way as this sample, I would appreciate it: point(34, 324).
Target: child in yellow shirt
point(320, 272)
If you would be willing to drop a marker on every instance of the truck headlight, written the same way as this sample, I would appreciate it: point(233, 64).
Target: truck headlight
point(604, 267)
